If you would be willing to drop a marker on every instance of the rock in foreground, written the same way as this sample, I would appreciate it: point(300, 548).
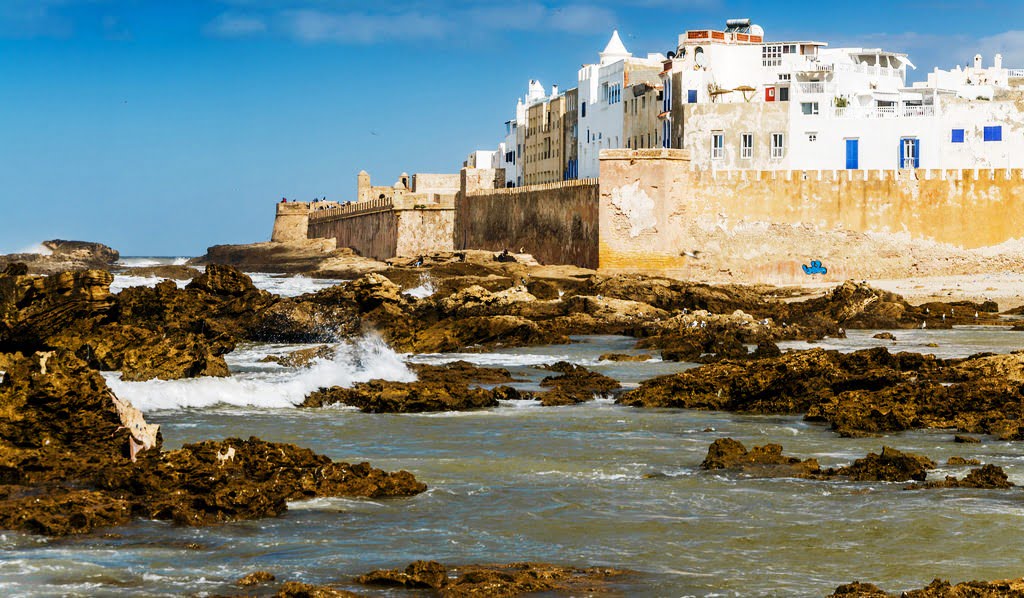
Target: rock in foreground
point(1006, 588)
point(493, 580)
point(74, 458)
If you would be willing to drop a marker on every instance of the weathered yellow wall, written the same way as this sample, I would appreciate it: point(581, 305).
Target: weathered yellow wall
point(407, 225)
point(762, 226)
point(290, 222)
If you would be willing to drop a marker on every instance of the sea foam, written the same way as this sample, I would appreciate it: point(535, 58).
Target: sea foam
point(366, 359)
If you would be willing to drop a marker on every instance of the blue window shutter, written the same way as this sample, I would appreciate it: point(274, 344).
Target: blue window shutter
point(988, 134)
point(691, 96)
point(958, 136)
point(917, 153)
point(899, 161)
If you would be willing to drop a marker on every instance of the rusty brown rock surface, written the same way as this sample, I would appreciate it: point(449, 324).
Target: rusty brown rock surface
point(74, 458)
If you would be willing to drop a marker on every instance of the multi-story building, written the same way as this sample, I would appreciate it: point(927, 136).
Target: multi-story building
point(642, 109)
point(739, 102)
point(601, 87)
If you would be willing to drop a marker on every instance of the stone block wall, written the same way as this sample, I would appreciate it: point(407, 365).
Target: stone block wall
point(658, 215)
point(290, 222)
point(557, 223)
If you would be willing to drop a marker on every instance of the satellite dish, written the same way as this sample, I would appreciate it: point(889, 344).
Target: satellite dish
point(698, 56)
point(670, 54)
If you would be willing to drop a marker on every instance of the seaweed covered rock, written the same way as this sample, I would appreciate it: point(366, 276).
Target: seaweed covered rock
point(726, 453)
point(513, 579)
point(74, 457)
point(1006, 588)
point(985, 477)
point(382, 396)
point(890, 465)
point(576, 384)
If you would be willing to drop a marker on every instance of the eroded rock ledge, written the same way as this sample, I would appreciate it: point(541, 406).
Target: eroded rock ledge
point(867, 392)
point(74, 458)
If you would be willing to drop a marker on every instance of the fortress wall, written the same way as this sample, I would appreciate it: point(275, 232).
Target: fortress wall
point(556, 222)
point(290, 222)
point(761, 226)
point(371, 234)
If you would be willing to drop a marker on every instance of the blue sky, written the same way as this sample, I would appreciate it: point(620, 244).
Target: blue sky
point(163, 126)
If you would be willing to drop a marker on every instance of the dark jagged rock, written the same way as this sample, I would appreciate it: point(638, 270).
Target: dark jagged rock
point(64, 256)
point(985, 477)
point(960, 461)
point(726, 453)
point(256, 578)
point(168, 272)
point(965, 439)
point(140, 331)
point(858, 590)
point(74, 457)
point(885, 336)
point(576, 384)
point(888, 466)
point(867, 392)
point(297, 589)
point(493, 580)
point(624, 357)
point(301, 357)
point(418, 574)
point(1006, 588)
point(380, 396)
point(461, 371)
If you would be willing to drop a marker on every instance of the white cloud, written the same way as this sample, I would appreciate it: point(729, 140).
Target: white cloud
point(309, 25)
point(533, 16)
point(1009, 43)
point(235, 25)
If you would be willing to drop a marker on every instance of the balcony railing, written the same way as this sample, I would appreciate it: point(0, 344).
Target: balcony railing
point(816, 87)
point(883, 112)
point(1015, 73)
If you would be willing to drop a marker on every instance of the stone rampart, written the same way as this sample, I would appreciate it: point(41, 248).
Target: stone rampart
point(659, 215)
point(556, 222)
point(403, 225)
point(290, 222)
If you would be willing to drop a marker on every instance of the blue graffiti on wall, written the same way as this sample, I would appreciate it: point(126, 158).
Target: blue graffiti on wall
point(815, 268)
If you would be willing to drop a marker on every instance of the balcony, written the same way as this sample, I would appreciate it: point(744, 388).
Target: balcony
point(883, 112)
point(816, 87)
point(1015, 73)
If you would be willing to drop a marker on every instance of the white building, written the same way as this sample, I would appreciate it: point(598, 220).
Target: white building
point(600, 96)
point(739, 102)
point(482, 159)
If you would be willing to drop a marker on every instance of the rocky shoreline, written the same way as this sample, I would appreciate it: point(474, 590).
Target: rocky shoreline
point(74, 458)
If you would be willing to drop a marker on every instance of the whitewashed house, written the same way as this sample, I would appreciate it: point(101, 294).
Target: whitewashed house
point(601, 88)
point(739, 102)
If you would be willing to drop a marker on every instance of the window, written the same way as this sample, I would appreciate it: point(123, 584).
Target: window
point(747, 146)
point(717, 146)
point(771, 55)
point(785, 76)
point(958, 136)
point(666, 132)
point(812, 136)
point(994, 133)
point(910, 152)
point(583, 110)
point(809, 108)
point(666, 98)
point(778, 146)
point(783, 94)
point(691, 96)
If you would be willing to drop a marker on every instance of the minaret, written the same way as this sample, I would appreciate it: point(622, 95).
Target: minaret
point(363, 186)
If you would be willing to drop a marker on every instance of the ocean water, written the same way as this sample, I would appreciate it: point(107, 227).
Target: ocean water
point(279, 284)
point(591, 484)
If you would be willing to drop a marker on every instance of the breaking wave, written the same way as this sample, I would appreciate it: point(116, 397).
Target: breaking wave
point(365, 359)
